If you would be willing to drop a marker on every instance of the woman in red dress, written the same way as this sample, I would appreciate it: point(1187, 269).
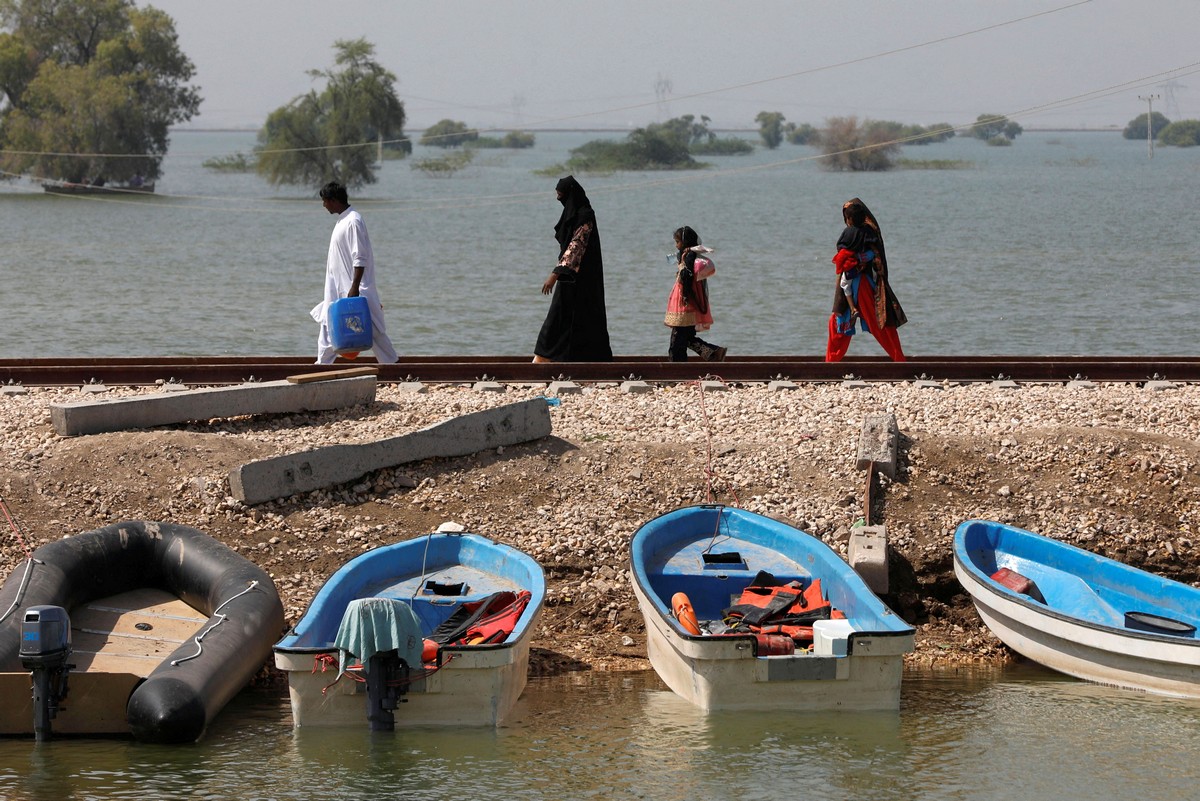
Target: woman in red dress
point(863, 292)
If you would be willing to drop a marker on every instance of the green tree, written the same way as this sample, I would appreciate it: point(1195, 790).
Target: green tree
point(658, 146)
point(448, 133)
point(334, 134)
point(990, 126)
point(938, 132)
point(1136, 129)
point(850, 146)
point(803, 134)
point(770, 128)
point(1184, 133)
point(90, 88)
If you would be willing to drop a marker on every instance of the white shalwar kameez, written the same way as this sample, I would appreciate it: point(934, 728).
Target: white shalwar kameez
point(350, 247)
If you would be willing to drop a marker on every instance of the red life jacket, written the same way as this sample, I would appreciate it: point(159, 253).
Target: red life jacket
point(488, 620)
point(497, 625)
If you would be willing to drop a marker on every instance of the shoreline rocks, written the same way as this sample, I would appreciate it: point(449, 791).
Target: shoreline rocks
point(1111, 468)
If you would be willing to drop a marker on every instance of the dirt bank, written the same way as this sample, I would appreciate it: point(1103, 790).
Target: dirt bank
point(1110, 469)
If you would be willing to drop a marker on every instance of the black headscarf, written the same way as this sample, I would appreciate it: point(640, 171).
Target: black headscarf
point(869, 236)
point(862, 233)
point(577, 210)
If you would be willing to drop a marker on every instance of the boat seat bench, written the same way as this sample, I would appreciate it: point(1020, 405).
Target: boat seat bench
point(1069, 592)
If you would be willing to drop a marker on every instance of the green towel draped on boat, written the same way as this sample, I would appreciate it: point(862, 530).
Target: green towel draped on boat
point(373, 625)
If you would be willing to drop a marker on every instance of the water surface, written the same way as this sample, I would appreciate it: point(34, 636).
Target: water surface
point(1064, 243)
point(1020, 733)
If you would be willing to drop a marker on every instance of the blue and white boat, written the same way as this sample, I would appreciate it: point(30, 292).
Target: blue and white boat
point(705, 560)
point(430, 631)
point(1081, 613)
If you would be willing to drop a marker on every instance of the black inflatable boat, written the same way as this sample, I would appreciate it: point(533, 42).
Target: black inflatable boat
point(139, 627)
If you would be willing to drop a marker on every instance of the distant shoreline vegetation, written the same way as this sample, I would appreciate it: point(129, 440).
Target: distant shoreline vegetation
point(238, 162)
point(446, 165)
point(659, 146)
point(455, 133)
point(934, 164)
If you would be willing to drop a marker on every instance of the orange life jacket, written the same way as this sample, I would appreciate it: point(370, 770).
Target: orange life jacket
point(780, 609)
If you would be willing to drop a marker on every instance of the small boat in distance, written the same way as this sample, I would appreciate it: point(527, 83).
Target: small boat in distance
point(1080, 613)
point(138, 627)
point(430, 631)
point(746, 612)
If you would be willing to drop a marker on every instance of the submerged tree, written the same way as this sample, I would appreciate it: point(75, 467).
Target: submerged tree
point(850, 146)
point(770, 128)
point(90, 88)
point(803, 134)
point(448, 133)
point(658, 146)
point(990, 127)
point(1182, 133)
point(1136, 129)
point(334, 134)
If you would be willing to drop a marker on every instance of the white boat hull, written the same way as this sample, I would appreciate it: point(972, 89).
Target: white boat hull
point(722, 673)
point(1094, 653)
point(476, 686)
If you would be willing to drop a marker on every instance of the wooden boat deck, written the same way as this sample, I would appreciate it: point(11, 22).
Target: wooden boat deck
point(131, 632)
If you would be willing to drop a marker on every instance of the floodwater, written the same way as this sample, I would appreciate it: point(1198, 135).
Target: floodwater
point(1064, 243)
point(977, 734)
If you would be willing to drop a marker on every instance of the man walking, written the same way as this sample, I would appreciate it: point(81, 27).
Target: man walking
point(349, 272)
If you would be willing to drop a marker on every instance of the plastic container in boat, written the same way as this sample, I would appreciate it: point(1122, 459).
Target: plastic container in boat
point(350, 325)
point(830, 637)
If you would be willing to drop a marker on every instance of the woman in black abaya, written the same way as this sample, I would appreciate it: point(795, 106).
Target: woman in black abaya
point(576, 326)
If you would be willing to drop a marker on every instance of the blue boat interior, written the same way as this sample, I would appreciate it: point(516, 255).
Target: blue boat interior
point(1073, 581)
point(713, 553)
point(434, 575)
point(714, 585)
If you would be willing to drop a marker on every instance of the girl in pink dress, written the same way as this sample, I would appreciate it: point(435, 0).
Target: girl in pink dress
point(688, 310)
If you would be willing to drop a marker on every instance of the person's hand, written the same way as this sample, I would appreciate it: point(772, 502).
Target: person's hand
point(353, 293)
point(548, 287)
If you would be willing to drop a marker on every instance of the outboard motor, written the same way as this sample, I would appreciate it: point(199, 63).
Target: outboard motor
point(387, 683)
point(45, 649)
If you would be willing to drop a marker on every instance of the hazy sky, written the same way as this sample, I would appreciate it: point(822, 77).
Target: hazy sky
point(610, 63)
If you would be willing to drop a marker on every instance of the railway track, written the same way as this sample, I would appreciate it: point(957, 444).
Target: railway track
point(217, 370)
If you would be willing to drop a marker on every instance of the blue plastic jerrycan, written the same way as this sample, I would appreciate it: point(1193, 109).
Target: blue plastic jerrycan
point(350, 325)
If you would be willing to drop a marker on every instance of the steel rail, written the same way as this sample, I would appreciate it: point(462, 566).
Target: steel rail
point(215, 370)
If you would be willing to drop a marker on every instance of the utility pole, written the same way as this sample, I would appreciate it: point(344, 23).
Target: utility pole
point(1149, 127)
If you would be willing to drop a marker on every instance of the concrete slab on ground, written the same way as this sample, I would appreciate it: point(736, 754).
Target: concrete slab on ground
point(867, 554)
point(281, 476)
point(267, 397)
point(879, 443)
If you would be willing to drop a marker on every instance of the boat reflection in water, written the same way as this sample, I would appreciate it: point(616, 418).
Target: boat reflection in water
point(963, 733)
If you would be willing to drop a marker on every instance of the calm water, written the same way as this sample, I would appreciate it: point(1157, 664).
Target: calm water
point(1071, 243)
point(1025, 733)
point(1065, 243)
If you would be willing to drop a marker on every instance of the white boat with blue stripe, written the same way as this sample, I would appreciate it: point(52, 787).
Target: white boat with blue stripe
point(1081, 613)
